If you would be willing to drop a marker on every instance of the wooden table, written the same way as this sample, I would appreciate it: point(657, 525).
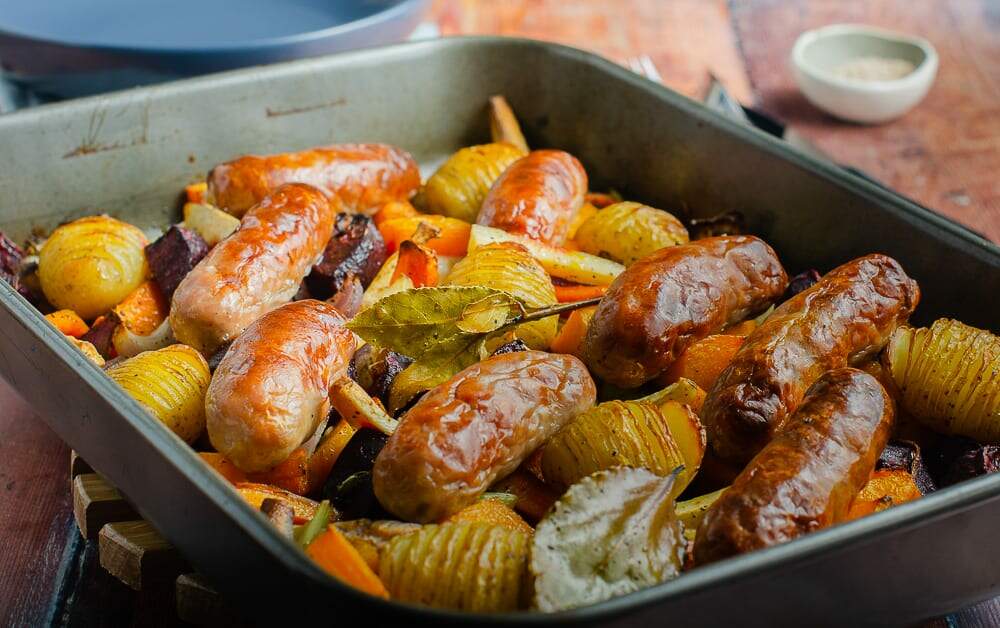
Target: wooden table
point(945, 154)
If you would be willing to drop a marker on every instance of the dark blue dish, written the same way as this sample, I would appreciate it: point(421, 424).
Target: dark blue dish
point(69, 48)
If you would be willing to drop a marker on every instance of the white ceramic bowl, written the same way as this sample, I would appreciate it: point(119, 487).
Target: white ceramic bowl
point(819, 52)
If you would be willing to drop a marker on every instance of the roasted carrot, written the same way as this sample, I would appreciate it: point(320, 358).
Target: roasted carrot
point(394, 210)
point(575, 292)
point(291, 474)
point(225, 468)
point(326, 454)
point(196, 192)
point(255, 494)
point(452, 239)
point(143, 310)
point(534, 498)
point(68, 322)
point(703, 361)
point(491, 511)
point(884, 489)
point(570, 336)
point(340, 559)
point(417, 262)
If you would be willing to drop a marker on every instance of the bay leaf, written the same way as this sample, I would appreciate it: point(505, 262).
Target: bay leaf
point(434, 368)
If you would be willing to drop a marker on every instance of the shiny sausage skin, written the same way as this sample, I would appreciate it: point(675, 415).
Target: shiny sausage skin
point(806, 478)
point(270, 392)
point(476, 428)
point(537, 196)
point(254, 270)
point(845, 317)
point(362, 176)
point(675, 296)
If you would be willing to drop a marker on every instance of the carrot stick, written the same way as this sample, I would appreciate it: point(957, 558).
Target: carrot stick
point(291, 474)
point(393, 210)
point(143, 310)
point(68, 322)
point(573, 293)
point(340, 559)
point(452, 240)
point(417, 262)
point(570, 336)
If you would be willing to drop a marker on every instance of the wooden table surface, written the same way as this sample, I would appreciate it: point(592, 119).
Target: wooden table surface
point(945, 154)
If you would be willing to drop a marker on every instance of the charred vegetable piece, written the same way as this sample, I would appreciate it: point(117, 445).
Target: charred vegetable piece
point(91, 264)
point(626, 433)
point(88, 350)
point(356, 248)
point(801, 282)
point(376, 370)
point(976, 461)
point(613, 533)
point(173, 256)
point(349, 485)
point(338, 557)
point(534, 497)
point(904, 455)
point(459, 186)
point(947, 377)
point(729, 223)
point(627, 232)
point(10, 261)
point(884, 489)
point(513, 346)
point(101, 334)
point(303, 507)
point(463, 566)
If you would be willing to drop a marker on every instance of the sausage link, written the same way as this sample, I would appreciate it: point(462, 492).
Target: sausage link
point(361, 176)
point(254, 270)
point(845, 317)
point(270, 392)
point(806, 478)
point(476, 428)
point(677, 295)
point(537, 196)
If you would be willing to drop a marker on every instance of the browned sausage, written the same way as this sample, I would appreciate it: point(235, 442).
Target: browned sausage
point(537, 196)
point(476, 428)
point(667, 300)
point(254, 270)
point(806, 478)
point(846, 316)
point(270, 392)
point(361, 176)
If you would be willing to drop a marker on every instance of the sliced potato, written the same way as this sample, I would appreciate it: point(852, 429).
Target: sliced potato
point(459, 186)
point(626, 232)
point(626, 433)
point(211, 223)
point(572, 266)
point(385, 283)
point(947, 377)
point(463, 566)
point(690, 511)
point(682, 391)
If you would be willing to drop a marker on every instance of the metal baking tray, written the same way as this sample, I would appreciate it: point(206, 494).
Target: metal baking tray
point(129, 153)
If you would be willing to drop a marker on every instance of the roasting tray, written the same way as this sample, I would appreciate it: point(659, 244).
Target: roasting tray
point(130, 153)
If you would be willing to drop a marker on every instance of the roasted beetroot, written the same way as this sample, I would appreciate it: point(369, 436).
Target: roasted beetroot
point(974, 462)
point(904, 455)
point(173, 256)
point(10, 261)
point(356, 248)
point(100, 335)
point(801, 282)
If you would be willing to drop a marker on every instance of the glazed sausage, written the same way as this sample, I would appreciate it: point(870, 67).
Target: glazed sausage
point(475, 429)
point(845, 317)
point(254, 270)
point(270, 392)
point(677, 295)
point(537, 196)
point(361, 176)
point(806, 478)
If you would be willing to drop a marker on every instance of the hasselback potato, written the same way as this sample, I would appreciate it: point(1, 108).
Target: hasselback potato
point(629, 434)
point(459, 186)
point(463, 566)
point(626, 232)
point(171, 384)
point(948, 377)
point(91, 264)
point(509, 267)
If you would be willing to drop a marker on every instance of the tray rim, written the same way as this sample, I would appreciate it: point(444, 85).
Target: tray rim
point(946, 502)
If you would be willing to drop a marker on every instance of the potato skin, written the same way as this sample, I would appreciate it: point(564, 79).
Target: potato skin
point(91, 264)
point(537, 196)
point(677, 295)
point(475, 429)
point(459, 186)
point(270, 391)
point(847, 316)
point(627, 232)
point(806, 478)
point(171, 384)
point(362, 177)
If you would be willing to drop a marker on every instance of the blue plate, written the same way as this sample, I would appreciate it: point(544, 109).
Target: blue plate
point(68, 48)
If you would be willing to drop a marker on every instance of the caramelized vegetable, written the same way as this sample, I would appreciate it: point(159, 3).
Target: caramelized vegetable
point(172, 257)
point(504, 126)
point(459, 186)
point(452, 237)
point(393, 210)
point(255, 494)
point(626, 232)
point(947, 377)
point(142, 317)
point(337, 557)
point(68, 322)
point(170, 383)
point(534, 498)
point(511, 268)
point(212, 224)
point(91, 264)
point(463, 566)
point(328, 452)
point(703, 361)
point(571, 334)
point(355, 249)
point(884, 490)
point(491, 511)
